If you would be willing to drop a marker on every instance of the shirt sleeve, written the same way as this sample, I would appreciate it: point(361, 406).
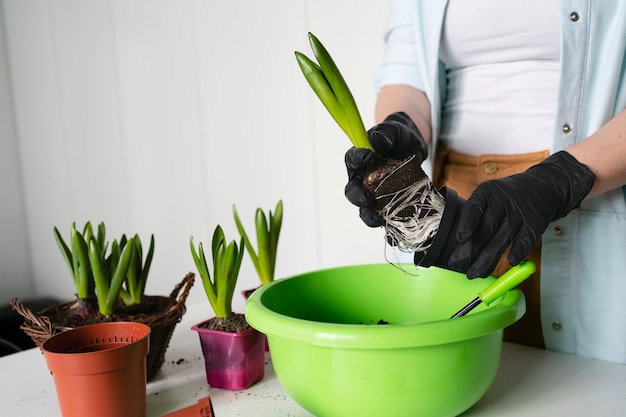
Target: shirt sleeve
point(401, 60)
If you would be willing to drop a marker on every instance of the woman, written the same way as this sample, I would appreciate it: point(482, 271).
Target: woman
point(491, 89)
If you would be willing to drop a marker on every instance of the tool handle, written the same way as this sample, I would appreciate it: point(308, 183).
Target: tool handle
point(509, 280)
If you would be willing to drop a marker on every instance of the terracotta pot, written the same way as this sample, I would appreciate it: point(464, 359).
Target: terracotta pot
point(162, 317)
point(99, 370)
point(233, 361)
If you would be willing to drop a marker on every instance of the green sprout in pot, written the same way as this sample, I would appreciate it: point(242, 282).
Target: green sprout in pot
point(96, 275)
point(219, 285)
point(267, 233)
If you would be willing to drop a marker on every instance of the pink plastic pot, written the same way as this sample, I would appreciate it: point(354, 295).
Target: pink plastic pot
point(233, 361)
point(246, 294)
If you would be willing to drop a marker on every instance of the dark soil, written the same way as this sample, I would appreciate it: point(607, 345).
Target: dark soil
point(388, 176)
point(234, 323)
point(380, 322)
point(61, 315)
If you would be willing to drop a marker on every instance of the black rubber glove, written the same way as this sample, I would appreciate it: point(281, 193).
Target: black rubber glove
point(516, 210)
point(396, 137)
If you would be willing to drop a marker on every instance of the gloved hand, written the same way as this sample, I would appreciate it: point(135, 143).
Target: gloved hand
point(517, 210)
point(396, 137)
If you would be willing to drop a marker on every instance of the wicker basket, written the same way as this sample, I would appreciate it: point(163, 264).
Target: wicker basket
point(39, 327)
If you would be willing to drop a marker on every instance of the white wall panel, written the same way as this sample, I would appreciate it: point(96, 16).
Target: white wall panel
point(15, 266)
point(44, 155)
point(255, 148)
point(157, 116)
point(157, 81)
point(352, 32)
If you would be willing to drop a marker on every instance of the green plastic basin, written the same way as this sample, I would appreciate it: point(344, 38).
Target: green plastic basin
point(332, 356)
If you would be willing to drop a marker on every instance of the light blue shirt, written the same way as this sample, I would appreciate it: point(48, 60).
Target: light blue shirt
point(583, 271)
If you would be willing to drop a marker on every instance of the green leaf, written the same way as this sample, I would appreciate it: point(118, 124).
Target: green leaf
point(134, 271)
point(126, 298)
point(117, 280)
point(264, 256)
point(246, 240)
point(143, 279)
point(101, 236)
point(114, 256)
point(330, 87)
point(218, 255)
point(88, 232)
point(344, 97)
point(276, 221)
point(322, 89)
point(226, 265)
point(264, 267)
point(201, 265)
point(82, 267)
point(100, 274)
point(65, 251)
point(138, 270)
point(218, 240)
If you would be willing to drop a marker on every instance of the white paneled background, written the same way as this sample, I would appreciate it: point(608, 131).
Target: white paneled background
point(156, 116)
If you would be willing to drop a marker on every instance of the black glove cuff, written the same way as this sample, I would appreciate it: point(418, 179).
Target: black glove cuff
point(563, 168)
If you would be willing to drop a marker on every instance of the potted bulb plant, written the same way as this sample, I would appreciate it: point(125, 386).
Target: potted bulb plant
point(110, 283)
point(267, 233)
point(233, 351)
point(267, 228)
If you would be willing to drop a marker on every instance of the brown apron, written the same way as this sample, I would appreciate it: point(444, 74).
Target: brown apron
point(463, 173)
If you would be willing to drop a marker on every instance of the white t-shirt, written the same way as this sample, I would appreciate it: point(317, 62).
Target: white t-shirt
point(502, 60)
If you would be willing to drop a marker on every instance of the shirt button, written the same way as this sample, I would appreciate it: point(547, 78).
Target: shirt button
point(556, 326)
point(566, 128)
point(490, 168)
point(573, 16)
point(558, 230)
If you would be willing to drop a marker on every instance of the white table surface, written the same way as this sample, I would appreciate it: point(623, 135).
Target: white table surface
point(530, 382)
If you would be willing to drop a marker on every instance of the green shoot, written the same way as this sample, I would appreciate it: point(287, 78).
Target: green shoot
point(330, 87)
point(100, 275)
point(226, 264)
point(109, 273)
point(264, 258)
point(77, 258)
point(137, 272)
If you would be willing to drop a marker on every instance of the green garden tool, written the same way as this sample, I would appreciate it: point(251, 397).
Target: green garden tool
point(509, 280)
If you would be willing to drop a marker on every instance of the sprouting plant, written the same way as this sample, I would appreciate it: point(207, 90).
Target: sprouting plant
point(410, 233)
point(330, 87)
point(109, 272)
point(226, 264)
point(96, 273)
point(267, 233)
point(138, 270)
point(77, 257)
